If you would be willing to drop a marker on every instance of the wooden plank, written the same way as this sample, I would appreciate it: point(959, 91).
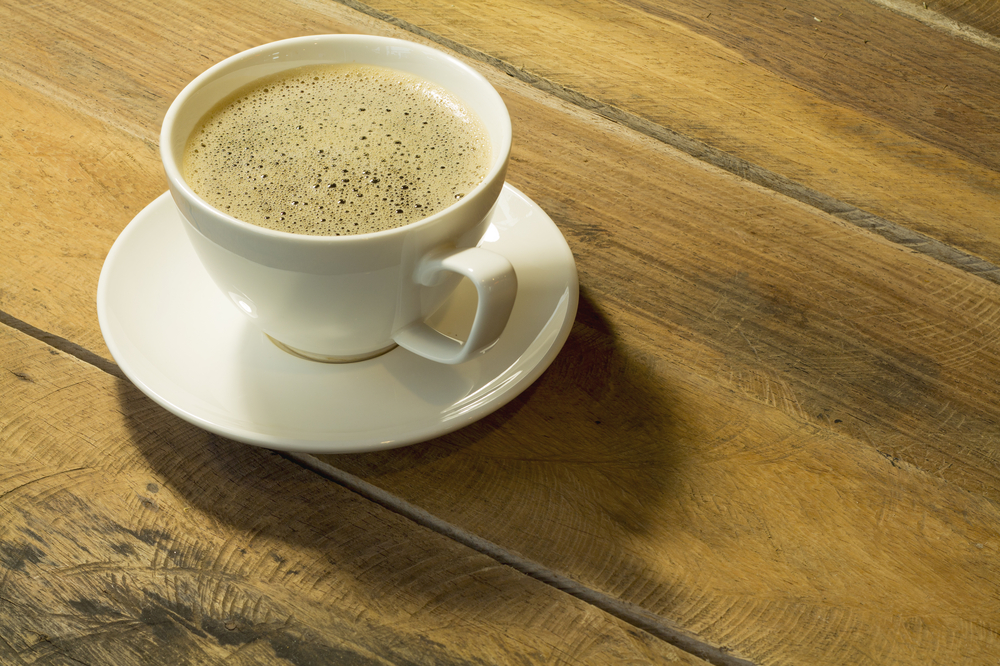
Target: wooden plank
point(128, 536)
point(856, 55)
point(876, 110)
point(70, 186)
point(769, 427)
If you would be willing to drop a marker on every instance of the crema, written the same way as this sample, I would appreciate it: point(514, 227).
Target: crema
point(336, 150)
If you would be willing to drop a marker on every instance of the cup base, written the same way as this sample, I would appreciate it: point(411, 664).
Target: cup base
point(324, 358)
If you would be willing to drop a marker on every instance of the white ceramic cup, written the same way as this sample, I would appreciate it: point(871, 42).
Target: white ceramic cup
point(349, 298)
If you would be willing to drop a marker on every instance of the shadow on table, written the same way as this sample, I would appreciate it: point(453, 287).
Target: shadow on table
point(570, 474)
point(237, 548)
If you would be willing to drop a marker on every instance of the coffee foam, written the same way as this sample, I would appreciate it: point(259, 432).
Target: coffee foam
point(335, 150)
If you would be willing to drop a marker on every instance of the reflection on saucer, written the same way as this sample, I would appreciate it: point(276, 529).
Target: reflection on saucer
point(324, 358)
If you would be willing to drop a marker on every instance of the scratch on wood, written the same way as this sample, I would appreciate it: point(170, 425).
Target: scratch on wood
point(39, 479)
point(893, 460)
point(749, 344)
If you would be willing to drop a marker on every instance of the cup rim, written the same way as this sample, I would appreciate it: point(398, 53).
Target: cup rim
point(171, 161)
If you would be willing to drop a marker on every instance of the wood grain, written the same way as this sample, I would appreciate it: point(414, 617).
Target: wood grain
point(692, 273)
point(873, 109)
point(769, 427)
point(128, 536)
point(70, 186)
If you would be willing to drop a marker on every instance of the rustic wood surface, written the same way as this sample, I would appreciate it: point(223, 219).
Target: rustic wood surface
point(128, 536)
point(772, 436)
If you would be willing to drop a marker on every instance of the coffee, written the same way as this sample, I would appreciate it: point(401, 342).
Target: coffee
point(336, 150)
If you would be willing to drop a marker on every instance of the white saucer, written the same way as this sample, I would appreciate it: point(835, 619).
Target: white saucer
point(184, 345)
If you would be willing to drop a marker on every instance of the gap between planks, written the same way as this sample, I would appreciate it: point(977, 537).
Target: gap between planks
point(937, 21)
point(891, 231)
point(636, 616)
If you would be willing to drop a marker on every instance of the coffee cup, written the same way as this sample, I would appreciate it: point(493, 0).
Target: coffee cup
point(351, 297)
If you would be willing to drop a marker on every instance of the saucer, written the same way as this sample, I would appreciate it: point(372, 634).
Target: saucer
point(183, 344)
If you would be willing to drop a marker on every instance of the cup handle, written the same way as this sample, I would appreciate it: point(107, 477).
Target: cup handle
point(496, 284)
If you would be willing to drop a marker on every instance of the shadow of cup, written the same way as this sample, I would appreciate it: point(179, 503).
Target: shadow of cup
point(585, 456)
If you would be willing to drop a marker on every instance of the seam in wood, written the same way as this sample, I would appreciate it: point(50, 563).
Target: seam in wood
point(891, 231)
point(638, 617)
point(937, 21)
point(62, 344)
point(629, 613)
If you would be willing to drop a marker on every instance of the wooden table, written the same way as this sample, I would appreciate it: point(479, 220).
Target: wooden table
point(773, 436)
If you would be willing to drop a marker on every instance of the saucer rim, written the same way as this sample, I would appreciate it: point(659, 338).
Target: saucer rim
point(568, 301)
